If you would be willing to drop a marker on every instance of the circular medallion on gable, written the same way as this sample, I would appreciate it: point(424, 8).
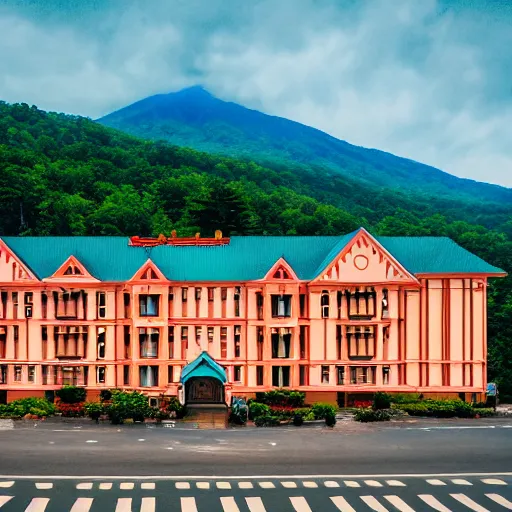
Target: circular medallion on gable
point(360, 262)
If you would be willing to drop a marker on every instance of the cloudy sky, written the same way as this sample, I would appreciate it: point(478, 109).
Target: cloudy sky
point(429, 80)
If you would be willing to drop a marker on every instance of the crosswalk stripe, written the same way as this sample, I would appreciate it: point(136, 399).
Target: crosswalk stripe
point(310, 485)
point(84, 486)
point(331, 483)
point(289, 485)
point(223, 485)
point(462, 498)
point(255, 504)
point(37, 505)
point(203, 485)
point(124, 505)
point(433, 502)
point(395, 483)
point(435, 481)
point(106, 486)
point(351, 483)
point(373, 504)
point(493, 481)
point(5, 499)
point(44, 485)
point(229, 504)
point(267, 485)
point(126, 486)
point(342, 504)
point(148, 504)
point(6, 485)
point(188, 505)
point(300, 504)
point(461, 481)
point(82, 505)
point(399, 503)
point(182, 485)
point(147, 486)
point(373, 483)
point(245, 485)
point(500, 500)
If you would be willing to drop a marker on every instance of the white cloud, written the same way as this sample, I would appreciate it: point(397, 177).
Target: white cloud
point(407, 77)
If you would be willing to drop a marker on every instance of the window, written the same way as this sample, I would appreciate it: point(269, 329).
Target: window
point(3, 374)
point(259, 375)
point(281, 376)
point(237, 300)
point(281, 341)
point(303, 340)
point(339, 300)
point(149, 305)
point(29, 297)
point(324, 302)
point(199, 330)
point(362, 375)
point(100, 374)
point(302, 305)
point(224, 342)
point(126, 304)
point(340, 375)
point(101, 301)
point(3, 341)
point(303, 375)
point(15, 305)
point(184, 294)
point(339, 341)
point(361, 342)
point(238, 330)
point(170, 341)
point(281, 273)
point(31, 374)
point(361, 303)
point(66, 304)
point(73, 270)
point(101, 342)
point(281, 306)
point(223, 294)
point(126, 375)
point(260, 338)
point(385, 304)
point(184, 342)
point(197, 293)
point(127, 342)
point(16, 336)
point(170, 374)
point(149, 274)
point(17, 374)
point(210, 331)
point(325, 375)
point(237, 373)
point(44, 305)
point(148, 338)
point(385, 374)
point(148, 376)
point(71, 341)
point(211, 294)
point(259, 305)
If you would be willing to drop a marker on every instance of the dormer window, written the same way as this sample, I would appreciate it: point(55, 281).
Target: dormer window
point(73, 270)
point(281, 273)
point(149, 274)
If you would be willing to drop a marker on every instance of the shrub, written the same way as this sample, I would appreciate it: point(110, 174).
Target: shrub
point(266, 421)
point(485, 412)
point(256, 410)
point(298, 420)
point(71, 394)
point(480, 405)
point(94, 410)
point(439, 408)
point(321, 411)
point(73, 410)
point(23, 406)
point(413, 409)
point(175, 408)
point(38, 412)
point(405, 398)
point(330, 418)
point(105, 395)
point(282, 397)
point(369, 415)
point(362, 403)
point(128, 405)
point(381, 400)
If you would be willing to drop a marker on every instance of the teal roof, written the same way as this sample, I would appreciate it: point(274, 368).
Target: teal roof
point(245, 258)
point(203, 366)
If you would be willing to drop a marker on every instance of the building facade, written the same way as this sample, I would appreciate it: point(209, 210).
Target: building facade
point(332, 316)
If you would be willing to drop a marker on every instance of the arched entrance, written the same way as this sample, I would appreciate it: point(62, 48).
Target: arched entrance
point(204, 390)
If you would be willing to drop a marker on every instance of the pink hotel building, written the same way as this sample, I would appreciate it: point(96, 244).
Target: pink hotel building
point(336, 317)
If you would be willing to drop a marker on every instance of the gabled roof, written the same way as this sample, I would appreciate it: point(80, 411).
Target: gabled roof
point(203, 366)
point(245, 258)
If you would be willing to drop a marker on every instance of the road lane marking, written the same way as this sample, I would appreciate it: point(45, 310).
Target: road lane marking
point(147, 486)
point(148, 504)
point(126, 486)
point(395, 483)
point(267, 485)
point(188, 505)
point(300, 504)
point(245, 485)
point(351, 483)
point(37, 505)
point(84, 486)
point(229, 504)
point(461, 481)
point(433, 502)
point(342, 504)
point(331, 483)
point(435, 481)
point(462, 498)
point(44, 485)
point(5, 499)
point(255, 504)
point(6, 485)
point(500, 500)
point(182, 485)
point(372, 483)
point(493, 481)
point(310, 485)
point(374, 504)
point(82, 505)
point(399, 503)
point(124, 505)
point(203, 485)
point(223, 485)
point(106, 486)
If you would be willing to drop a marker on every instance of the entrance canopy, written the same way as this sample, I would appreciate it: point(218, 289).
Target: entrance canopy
point(203, 366)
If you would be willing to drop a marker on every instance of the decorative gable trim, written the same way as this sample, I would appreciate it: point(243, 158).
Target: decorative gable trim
point(149, 272)
point(11, 266)
point(281, 270)
point(353, 252)
point(71, 269)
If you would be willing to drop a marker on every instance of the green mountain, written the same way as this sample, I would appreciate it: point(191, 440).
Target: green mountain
point(193, 117)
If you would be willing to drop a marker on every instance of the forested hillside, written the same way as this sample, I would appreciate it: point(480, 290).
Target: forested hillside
point(66, 175)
